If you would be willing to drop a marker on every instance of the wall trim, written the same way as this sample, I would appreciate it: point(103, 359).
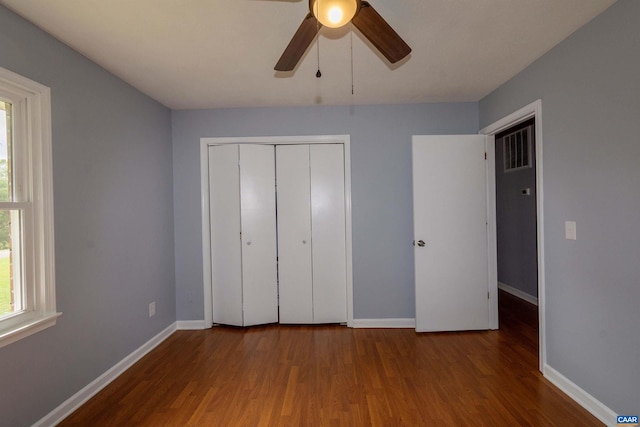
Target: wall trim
point(518, 293)
point(584, 399)
point(384, 323)
point(74, 402)
point(190, 325)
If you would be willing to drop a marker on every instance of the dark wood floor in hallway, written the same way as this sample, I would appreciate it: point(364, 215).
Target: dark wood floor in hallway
point(335, 376)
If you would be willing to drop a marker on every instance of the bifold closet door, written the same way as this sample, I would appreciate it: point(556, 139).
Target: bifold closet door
point(226, 250)
point(243, 234)
point(328, 233)
point(294, 234)
point(259, 245)
point(311, 233)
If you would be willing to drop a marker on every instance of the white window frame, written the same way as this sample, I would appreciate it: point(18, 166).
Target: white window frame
point(31, 106)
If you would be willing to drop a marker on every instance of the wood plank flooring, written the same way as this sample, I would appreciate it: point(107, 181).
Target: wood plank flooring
point(336, 376)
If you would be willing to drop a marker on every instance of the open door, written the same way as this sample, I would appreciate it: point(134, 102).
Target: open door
point(450, 231)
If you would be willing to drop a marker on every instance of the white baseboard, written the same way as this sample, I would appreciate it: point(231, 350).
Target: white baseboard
point(584, 399)
point(74, 402)
point(190, 325)
point(384, 323)
point(518, 293)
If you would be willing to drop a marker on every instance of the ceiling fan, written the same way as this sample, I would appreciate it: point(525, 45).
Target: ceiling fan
point(335, 14)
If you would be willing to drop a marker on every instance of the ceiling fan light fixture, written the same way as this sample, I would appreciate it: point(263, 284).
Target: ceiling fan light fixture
point(363, 17)
point(334, 13)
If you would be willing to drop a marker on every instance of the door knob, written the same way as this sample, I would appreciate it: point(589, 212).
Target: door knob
point(421, 243)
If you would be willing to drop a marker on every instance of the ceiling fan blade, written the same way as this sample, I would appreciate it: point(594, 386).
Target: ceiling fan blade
point(299, 44)
point(380, 33)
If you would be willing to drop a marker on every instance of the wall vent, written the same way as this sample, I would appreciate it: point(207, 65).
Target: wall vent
point(517, 149)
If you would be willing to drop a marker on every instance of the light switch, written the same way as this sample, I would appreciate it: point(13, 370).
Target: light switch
point(570, 230)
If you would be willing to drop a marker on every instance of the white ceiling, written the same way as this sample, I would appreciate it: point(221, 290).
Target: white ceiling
point(221, 53)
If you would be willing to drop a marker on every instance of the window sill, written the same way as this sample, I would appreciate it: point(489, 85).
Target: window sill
point(27, 328)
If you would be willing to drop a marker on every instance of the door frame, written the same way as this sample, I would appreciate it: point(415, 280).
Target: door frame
point(205, 143)
point(532, 110)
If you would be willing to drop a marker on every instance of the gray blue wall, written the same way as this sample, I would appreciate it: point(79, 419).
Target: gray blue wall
point(115, 215)
point(380, 190)
point(112, 178)
point(590, 91)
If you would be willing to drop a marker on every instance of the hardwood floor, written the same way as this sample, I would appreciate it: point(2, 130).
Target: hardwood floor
point(336, 376)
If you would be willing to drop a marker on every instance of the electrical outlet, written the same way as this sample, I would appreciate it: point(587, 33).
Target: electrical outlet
point(152, 309)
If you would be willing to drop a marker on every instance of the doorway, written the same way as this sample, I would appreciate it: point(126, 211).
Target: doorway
point(515, 172)
point(496, 132)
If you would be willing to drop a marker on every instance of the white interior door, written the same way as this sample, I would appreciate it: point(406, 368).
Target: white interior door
point(294, 234)
point(258, 227)
point(224, 220)
point(328, 233)
point(450, 231)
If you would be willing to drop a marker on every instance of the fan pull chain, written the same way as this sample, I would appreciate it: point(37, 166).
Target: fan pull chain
point(351, 35)
point(318, 73)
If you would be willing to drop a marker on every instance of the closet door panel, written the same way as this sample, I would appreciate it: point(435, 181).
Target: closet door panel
point(258, 226)
point(294, 234)
point(226, 253)
point(328, 233)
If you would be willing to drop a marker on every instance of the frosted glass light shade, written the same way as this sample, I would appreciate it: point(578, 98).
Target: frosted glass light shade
point(334, 13)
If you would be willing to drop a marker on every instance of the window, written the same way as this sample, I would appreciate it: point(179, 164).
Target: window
point(27, 279)
point(517, 149)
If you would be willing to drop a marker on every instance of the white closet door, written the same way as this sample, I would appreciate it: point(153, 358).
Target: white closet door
point(224, 217)
point(258, 222)
point(294, 234)
point(328, 233)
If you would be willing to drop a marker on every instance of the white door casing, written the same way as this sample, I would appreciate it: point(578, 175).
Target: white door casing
point(449, 187)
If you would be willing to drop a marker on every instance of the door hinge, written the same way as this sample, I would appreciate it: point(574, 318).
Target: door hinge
point(485, 156)
point(488, 296)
